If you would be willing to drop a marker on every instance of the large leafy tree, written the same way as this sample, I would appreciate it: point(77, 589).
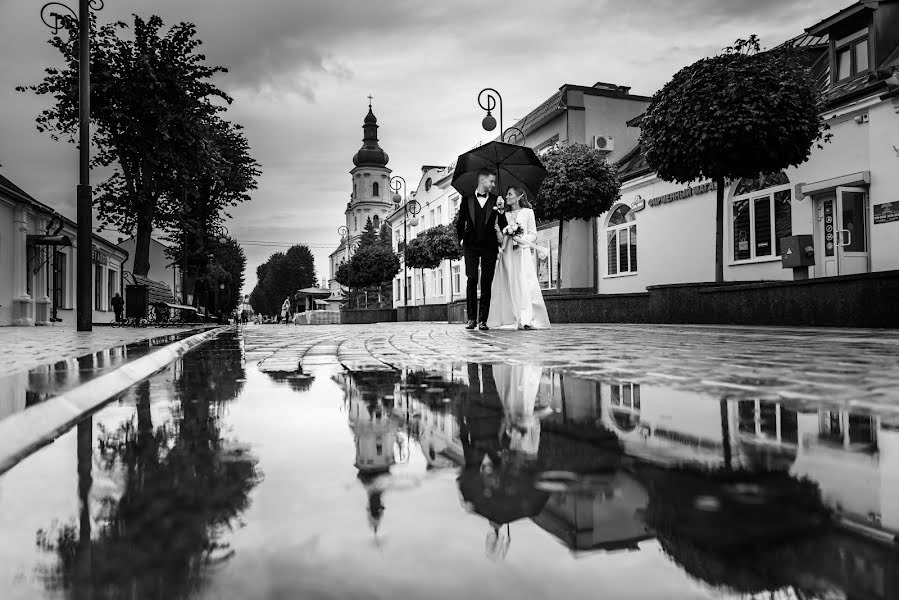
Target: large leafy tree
point(280, 277)
point(739, 114)
point(580, 184)
point(370, 269)
point(153, 111)
point(225, 273)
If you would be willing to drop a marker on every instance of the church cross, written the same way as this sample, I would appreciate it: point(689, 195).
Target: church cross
point(369, 100)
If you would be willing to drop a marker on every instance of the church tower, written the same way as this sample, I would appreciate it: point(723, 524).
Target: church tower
point(371, 196)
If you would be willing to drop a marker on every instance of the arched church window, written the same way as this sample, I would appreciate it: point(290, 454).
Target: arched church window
point(621, 241)
point(374, 221)
point(374, 189)
point(761, 214)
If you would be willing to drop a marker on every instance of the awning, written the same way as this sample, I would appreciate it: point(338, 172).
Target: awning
point(48, 240)
point(321, 303)
point(177, 306)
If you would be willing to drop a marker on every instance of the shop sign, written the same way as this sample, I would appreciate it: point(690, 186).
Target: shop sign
point(97, 256)
point(684, 193)
point(638, 204)
point(886, 212)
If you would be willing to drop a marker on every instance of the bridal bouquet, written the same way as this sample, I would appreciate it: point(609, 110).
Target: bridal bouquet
point(513, 230)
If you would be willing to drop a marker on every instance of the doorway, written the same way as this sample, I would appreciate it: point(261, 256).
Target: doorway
point(841, 232)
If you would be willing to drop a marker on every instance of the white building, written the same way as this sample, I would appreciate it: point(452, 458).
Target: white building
point(38, 248)
point(371, 197)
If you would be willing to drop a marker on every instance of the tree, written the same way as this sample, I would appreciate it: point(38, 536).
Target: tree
point(226, 268)
point(281, 276)
point(385, 235)
point(369, 236)
point(370, 267)
point(418, 255)
point(739, 114)
point(153, 111)
point(580, 184)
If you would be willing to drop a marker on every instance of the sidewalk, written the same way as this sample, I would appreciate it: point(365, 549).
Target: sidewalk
point(855, 366)
point(24, 348)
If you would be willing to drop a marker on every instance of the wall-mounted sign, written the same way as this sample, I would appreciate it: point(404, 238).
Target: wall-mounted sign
point(638, 204)
point(886, 212)
point(98, 257)
point(684, 193)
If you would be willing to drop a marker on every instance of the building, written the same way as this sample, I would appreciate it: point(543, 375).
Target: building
point(38, 248)
point(371, 197)
point(843, 196)
point(162, 268)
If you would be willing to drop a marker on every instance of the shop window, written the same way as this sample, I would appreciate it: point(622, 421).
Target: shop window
point(850, 56)
point(761, 214)
point(111, 285)
point(98, 287)
point(621, 241)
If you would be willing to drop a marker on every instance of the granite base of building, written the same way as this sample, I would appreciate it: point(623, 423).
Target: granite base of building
point(866, 300)
point(368, 316)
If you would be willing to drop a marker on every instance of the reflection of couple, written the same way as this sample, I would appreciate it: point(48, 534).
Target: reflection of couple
point(499, 238)
point(500, 438)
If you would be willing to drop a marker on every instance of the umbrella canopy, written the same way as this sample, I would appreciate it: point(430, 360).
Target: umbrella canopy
point(503, 496)
point(514, 165)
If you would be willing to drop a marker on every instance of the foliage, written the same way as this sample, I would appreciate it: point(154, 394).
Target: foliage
point(372, 266)
point(369, 236)
point(226, 267)
point(738, 114)
point(442, 242)
point(419, 256)
point(154, 114)
point(385, 235)
point(580, 184)
point(280, 277)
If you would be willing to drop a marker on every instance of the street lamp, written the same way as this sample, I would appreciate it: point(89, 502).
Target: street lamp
point(516, 135)
point(397, 183)
point(54, 19)
point(492, 102)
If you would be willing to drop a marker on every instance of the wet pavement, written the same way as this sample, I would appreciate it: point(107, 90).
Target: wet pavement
point(235, 474)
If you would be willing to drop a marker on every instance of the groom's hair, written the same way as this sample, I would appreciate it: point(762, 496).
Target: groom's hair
point(486, 172)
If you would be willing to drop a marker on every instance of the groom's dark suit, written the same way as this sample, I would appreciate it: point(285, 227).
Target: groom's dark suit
point(480, 248)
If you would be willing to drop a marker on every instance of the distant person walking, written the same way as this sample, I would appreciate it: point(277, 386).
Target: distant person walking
point(285, 311)
point(118, 305)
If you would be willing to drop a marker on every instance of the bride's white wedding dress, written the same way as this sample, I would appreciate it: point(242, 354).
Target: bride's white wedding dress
point(516, 299)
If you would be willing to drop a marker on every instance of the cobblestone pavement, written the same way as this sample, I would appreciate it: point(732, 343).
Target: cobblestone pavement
point(858, 367)
point(24, 348)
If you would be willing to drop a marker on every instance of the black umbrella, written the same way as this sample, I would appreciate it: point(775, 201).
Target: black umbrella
point(514, 165)
point(503, 496)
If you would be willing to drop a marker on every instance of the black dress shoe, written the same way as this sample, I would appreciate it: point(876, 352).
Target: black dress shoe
point(483, 327)
point(471, 325)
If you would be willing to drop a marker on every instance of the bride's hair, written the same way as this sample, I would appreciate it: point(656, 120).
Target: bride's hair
point(523, 200)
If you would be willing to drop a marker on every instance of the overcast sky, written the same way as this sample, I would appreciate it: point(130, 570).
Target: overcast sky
point(300, 71)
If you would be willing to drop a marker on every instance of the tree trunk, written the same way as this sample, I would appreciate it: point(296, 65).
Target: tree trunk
point(451, 281)
point(142, 241)
point(719, 232)
point(559, 260)
point(424, 292)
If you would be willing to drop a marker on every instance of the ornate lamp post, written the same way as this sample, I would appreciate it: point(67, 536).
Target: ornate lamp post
point(397, 183)
point(490, 102)
point(53, 18)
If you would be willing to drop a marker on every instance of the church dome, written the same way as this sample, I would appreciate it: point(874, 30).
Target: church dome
point(370, 154)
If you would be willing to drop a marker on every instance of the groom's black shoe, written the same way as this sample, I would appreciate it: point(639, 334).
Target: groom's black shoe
point(483, 327)
point(471, 325)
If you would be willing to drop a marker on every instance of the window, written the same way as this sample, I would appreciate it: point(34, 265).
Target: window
point(625, 405)
point(111, 286)
point(428, 183)
point(439, 275)
point(431, 216)
point(621, 241)
point(29, 265)
point(439, 215)
point(457, 279)
point(98, 287)
point(355, 222)
point(761, 215)
point(374, 189)
point(375, 221)
point(408, 286)
point(59, 280)
point(850, 55)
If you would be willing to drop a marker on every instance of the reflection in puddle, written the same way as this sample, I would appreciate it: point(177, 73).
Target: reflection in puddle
point(496, 475)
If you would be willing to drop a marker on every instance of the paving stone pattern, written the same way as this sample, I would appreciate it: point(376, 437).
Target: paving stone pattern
point(23, 348)
point(858, 367)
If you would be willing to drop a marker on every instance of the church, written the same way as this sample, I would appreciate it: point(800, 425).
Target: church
point(370, 198)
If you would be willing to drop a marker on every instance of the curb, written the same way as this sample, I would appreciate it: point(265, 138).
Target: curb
point(25, 432)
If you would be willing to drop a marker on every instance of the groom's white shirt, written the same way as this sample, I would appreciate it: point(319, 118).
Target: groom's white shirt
point(482, 200)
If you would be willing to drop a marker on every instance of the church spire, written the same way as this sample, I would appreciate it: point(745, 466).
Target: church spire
point(371, 154)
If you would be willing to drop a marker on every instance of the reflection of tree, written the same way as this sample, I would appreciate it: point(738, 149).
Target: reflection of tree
point(182, 487)
point(296, 380)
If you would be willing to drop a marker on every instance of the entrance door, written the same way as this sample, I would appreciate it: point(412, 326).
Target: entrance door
point(841, 236)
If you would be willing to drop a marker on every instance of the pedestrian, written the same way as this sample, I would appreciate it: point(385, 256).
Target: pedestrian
point(118, 305)
point(285, 311)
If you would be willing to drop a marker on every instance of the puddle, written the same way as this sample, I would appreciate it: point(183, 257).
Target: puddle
point(215, 480)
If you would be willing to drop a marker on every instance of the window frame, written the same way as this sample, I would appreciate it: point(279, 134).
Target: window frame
point(850, 44)
point(751, 198)
point(617, 229)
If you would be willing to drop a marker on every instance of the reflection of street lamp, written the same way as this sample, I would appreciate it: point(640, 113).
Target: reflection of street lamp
point(397, 183)
point(54, 20)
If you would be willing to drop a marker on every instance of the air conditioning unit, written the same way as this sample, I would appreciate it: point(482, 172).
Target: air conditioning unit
point(605, 143)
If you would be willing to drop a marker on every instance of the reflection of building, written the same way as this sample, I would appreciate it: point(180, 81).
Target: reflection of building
point(370, 412)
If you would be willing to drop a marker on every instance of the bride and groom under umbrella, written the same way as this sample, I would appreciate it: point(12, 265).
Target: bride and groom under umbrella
point(498, 236)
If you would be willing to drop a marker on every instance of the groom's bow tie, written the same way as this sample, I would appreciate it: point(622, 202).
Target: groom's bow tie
point(482, 195)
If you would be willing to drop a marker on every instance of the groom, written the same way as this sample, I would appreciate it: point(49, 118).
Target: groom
point(475, 226)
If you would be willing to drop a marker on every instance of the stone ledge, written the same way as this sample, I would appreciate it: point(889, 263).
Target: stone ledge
point(23, 433)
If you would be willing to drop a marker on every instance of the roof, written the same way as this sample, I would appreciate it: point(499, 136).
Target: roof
point(633, 165)
point(853, 9)
point(314, 291)
point(549, 107)
point(21, 195)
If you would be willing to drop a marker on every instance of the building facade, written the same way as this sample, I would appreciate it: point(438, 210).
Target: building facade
point(38, 249)
point(371, 197)
point(843, 196)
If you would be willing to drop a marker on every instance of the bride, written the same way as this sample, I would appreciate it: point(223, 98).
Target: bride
point(516, 301)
